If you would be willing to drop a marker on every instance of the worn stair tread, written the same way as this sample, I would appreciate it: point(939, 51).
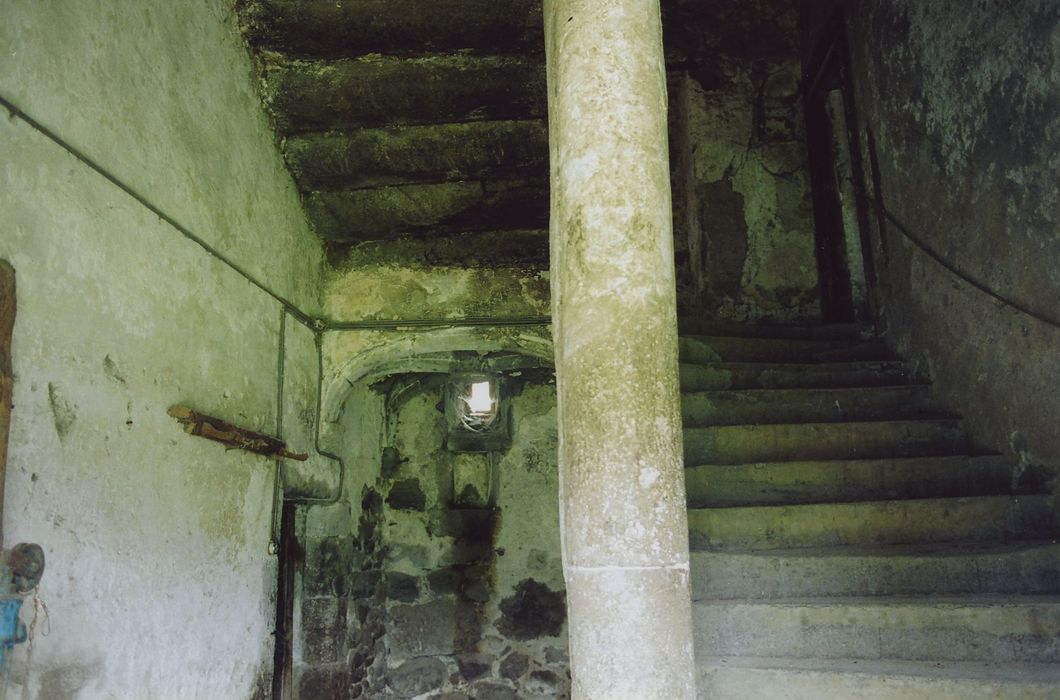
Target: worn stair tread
point(958, 549)
point(703, 348)
point(873, 522)
point(927, 603)
point(1031, 567)
point(385, 91)
point(784, 375)
point(780, 442)
point(781, 405)
point(314, 27)
point(847, 480)
point(916, 628)
point(774, 678)
point(971, 670)
point(419, 153)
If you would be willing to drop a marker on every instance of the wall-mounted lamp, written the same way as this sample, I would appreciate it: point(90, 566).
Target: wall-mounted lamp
point(477, 413)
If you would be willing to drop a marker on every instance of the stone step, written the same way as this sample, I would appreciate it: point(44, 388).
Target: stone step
point(705, 349)
point(838, 481)
point(762, 375)
point(784, 442)
point(403, 154)
point(912, 521)
point(740, 678)
point(930, 628)
point(948, 569)
point(830, 331)
point(315, 27)
point(496, 250)
point(378, 91)
point(739, 407)
point(427, 209)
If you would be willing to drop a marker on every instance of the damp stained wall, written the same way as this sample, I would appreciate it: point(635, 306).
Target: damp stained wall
point(408, 590)
point(159, 582)
point(743, 218)
point(962, 100)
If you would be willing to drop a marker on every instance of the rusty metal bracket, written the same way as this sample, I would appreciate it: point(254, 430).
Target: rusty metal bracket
point(233, 436)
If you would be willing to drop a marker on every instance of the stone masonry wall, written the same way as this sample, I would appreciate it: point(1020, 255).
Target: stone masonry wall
point(424, 595)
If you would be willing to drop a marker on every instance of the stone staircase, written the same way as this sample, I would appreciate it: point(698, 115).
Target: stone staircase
point(849, 540)
point(421, 123)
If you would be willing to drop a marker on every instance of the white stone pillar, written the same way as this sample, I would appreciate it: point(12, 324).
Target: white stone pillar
point(622, 497)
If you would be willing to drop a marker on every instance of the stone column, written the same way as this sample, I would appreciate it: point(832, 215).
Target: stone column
point(622, 497)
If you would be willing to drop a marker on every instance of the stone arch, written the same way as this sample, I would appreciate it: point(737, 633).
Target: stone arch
point(376, 354)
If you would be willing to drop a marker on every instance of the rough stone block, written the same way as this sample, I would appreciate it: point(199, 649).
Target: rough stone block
point(323, 682)
point(329, 562)
point(544, 682)
point(555, 655)
point(328, 521)
point(407, 494)
point(494, 691)
point(514, 666)
point(474, 666)
point(471, 480)
point(532, 611)
point(363, 584)
point(447, 580)
point(423, 630)
point(323, 629)
point(415, 555)
point(402, 587)
point(417, 676)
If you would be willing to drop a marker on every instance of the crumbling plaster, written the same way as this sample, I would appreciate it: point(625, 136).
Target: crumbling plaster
point(743, 217)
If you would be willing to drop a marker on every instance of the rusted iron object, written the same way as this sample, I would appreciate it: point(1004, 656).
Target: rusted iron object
point(7, 381)
point(24, 567)
point(215, 429)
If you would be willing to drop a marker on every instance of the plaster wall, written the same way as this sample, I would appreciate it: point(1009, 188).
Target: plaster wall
point(962, 102)
point(159, 582)
point(163, 96)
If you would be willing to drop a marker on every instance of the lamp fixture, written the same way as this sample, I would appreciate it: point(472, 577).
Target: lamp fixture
point(477, 414)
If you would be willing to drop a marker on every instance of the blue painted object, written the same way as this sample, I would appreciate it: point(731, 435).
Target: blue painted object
point(12, 629)
point(21, 568)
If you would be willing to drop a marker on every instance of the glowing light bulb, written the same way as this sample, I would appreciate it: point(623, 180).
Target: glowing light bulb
point(480, 400)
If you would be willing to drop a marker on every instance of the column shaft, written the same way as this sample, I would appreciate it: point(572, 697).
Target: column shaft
point(622, 498)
